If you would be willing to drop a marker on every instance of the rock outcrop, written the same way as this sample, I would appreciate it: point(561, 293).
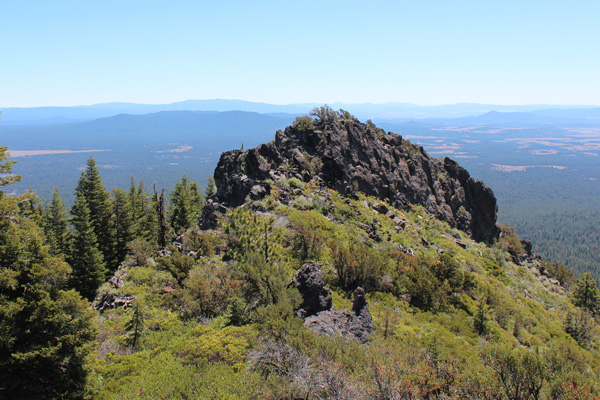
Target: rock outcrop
point(315, 296)
point(351, 157)
point(319, 314)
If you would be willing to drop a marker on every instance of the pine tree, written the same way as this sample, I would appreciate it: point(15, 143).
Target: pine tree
point(56, 225)
point(186, 204)
point(163, 224)
point(481, 319)
point(6, 175)
point(585, 294)
point(46, 332)
point(133, 198)
point(135, 326)
point(211, 188)
point(124, 222)
point(89, 270)
point(30, 206)
point(100, 207)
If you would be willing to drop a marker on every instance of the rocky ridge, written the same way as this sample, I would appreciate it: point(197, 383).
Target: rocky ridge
point(336, 150)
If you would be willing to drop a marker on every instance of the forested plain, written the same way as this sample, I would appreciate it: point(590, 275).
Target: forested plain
point(211, 314)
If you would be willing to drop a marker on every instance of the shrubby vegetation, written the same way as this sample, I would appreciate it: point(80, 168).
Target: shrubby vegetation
point(210, 314)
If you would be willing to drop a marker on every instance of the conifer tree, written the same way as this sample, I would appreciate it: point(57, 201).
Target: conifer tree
point(124, 222)
point(135, 326)
point(163, 224)
point(148, 220)
point(30, 206)
point(481, 319)
point(89, 270)
point(45, 331)
point(186, 204)
point(211, 188)
point(133, 198)
point(56, 225)
point(101, 212)
point(6, 175)
point(585, 293)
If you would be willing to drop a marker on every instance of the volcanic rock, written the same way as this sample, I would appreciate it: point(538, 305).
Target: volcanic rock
point(352, 157)
point(318, 312)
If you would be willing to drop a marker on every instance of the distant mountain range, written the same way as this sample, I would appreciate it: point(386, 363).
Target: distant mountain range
point(385, 111)
point(544, 117)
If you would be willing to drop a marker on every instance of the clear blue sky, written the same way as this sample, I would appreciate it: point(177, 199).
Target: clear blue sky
point(425, 52)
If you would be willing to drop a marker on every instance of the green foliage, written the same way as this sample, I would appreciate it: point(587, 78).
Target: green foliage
point(585, 293)
point(179, 265)
point(248, 234)
point(509, 241)
point(481, 319)
point(135, 326)
point(435, 286)
point(164, 229)
point(149, 220)
point(6, 175)
point(90, 188)
point(229, 345)
point(311, 232)
point(559, 272)
point(89, 269)
point(580, 326)
point(520, 372)
point(357, 264)
point(454, 320)
point(304, 123)
point(207, 291)
point(324, 113)
point(186, 204)
point(210, 189)
point(264, 282)
point(56, 225)
point(124, 222)
point(45, 330)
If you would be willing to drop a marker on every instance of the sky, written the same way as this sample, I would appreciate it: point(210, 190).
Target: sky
point(62, 53)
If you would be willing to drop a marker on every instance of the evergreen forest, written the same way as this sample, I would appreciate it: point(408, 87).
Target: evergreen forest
point(123, 296)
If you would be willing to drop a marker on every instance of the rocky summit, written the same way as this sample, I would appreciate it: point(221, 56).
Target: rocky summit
point(337, 150)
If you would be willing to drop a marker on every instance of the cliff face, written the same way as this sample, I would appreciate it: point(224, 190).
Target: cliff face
point(349, 156)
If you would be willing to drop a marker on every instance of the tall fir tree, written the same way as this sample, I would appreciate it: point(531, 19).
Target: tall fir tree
point(56, 225)
point(89, 270)
point(30, 206)
point(210, 189)
point(124, 222)
point(101, 212)
point(163, 224)
point(585, 293)
point(133, 199)
point(186, 204)
point(46, 331)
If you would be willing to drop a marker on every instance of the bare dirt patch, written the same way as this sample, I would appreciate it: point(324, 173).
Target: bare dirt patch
point(23, 153)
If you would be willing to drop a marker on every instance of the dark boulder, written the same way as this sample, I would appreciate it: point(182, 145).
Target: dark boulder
point(318, 312)
point(315, 296)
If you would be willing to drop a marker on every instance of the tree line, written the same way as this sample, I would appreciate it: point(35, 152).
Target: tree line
point(52, 262)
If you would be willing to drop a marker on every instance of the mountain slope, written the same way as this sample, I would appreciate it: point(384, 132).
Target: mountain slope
point(453, 318)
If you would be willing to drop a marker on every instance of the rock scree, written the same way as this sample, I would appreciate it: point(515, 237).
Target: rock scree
point(349, 156)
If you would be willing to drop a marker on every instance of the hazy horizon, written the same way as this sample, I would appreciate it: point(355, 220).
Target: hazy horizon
point(68, 53)
point(305, 103)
